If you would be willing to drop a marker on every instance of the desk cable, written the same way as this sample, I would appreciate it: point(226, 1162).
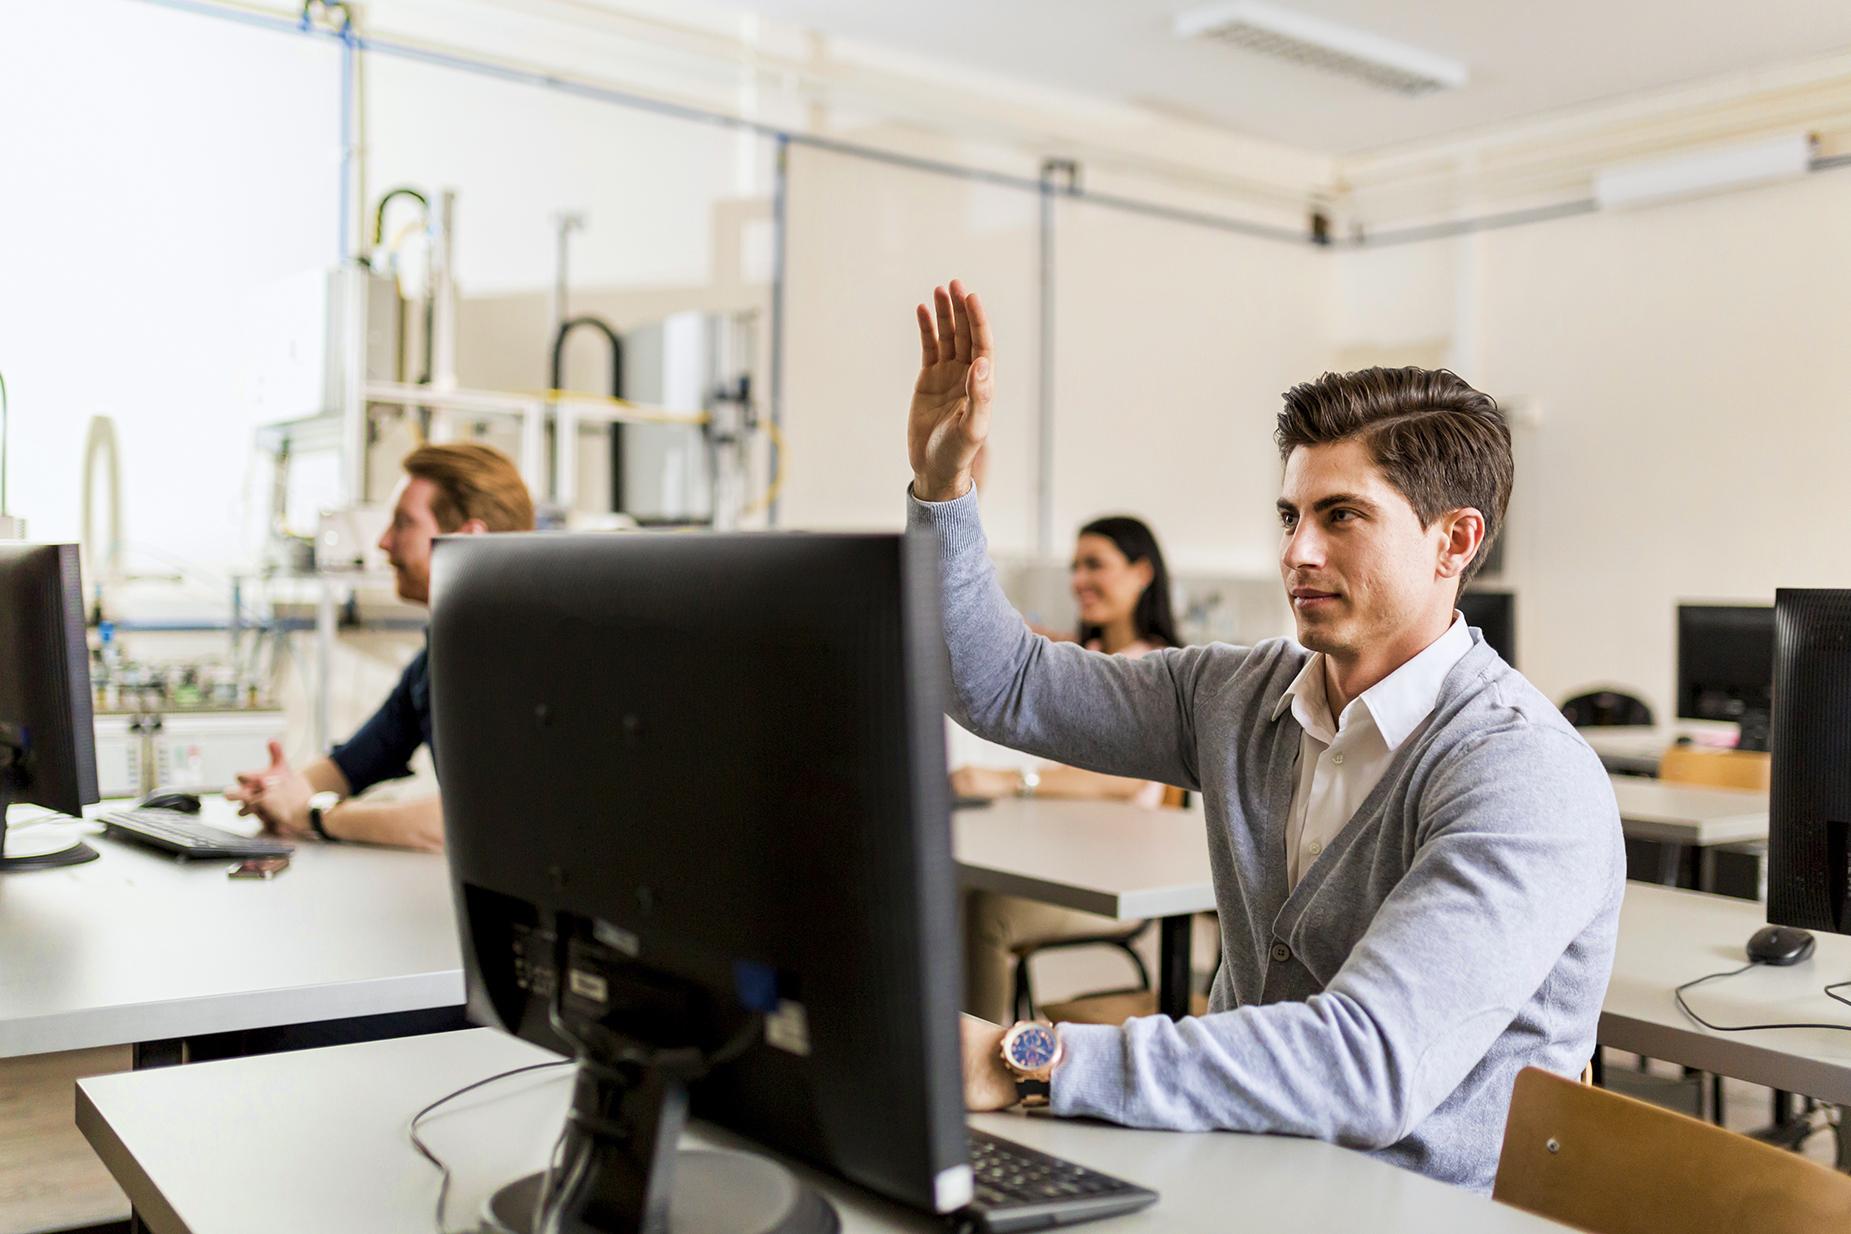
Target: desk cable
point(417, 1142)
point(1683, 1006)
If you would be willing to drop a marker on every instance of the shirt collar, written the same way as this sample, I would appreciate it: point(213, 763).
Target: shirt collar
point(1398, 703)
point(1306, 699)
point(1401, 701)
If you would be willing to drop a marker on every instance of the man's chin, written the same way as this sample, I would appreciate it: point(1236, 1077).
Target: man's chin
point(1316, 635)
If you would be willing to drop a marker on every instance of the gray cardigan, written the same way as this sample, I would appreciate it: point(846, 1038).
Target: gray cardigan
point(1460, 928)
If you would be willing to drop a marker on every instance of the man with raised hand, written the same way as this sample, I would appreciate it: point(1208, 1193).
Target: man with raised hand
point(1417, 862)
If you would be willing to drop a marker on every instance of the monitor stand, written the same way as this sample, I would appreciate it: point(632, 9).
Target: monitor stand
point(73, 855)
point(713, 1193)
point(618, 1170)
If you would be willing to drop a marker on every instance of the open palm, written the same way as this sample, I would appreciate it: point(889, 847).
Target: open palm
point(950, 416)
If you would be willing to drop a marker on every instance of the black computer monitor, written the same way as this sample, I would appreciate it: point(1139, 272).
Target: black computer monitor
point(703, 778)
point(1725, 667)
point(47, 734)
point(1495, 615)
point(1809, 800)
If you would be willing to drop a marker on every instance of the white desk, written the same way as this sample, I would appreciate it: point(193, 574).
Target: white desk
point(136, 947)
point(1668, 937)
point(1105, 857)
point(1689, 814)
point(316, 1141)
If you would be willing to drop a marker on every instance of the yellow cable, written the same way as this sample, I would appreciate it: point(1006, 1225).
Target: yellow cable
point(776, 483)
point(649, 415)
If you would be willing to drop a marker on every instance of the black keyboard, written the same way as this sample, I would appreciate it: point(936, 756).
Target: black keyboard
point(185, 836)
point(1017, 1188)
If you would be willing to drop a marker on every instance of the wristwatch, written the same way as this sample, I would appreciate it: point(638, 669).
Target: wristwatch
point(1031, 1051)
point(319, 805)
point(1026, 782)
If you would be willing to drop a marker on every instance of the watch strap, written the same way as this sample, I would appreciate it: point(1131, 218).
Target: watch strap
point(1032, 1092)
point(318, 824)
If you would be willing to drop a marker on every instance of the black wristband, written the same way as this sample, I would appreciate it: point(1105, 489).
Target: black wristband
point(319, 827)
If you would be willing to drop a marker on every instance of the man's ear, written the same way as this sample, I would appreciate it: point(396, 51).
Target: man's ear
point(472, 527)
point(1462, 535)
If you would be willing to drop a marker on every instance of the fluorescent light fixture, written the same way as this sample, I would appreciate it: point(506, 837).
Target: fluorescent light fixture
point(1311, 42)
point(1704, 171)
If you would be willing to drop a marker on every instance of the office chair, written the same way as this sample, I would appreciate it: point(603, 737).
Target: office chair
point(1607, 709)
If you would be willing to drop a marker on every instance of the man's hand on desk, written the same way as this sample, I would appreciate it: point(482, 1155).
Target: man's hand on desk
point(987, 1083)
point(278, 795)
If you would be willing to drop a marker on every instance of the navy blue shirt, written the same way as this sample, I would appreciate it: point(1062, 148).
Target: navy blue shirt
point(382, 748)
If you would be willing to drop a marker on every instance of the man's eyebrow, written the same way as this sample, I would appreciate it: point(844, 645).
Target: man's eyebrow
point(1326, 503)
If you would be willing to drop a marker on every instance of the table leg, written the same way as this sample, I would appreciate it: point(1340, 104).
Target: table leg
point(1173, 975)
point(169, 1053)
point(1670, 859)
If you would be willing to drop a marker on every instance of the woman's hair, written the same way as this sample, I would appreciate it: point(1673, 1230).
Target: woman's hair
point(1152, 618)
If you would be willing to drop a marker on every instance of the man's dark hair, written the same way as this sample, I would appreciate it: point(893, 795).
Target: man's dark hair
point(1440, 443)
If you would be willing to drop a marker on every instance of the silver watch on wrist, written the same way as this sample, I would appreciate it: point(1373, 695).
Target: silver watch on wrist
point(1026, 782)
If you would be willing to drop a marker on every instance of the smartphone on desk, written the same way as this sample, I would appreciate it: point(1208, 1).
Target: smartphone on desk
point(258, 867)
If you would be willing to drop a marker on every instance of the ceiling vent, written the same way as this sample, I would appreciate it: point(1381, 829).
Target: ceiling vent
point(1311, 42)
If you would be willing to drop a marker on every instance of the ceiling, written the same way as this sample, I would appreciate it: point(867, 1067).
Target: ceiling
point(1525, 60)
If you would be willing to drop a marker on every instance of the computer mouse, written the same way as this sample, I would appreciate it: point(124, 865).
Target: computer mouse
point(186, 803)
point(1779, 945)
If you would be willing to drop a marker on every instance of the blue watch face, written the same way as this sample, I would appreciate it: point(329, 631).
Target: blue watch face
point(1032, 1048)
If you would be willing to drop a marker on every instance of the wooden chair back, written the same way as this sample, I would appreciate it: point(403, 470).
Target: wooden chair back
point(1716, 768)
point(1608, 1164)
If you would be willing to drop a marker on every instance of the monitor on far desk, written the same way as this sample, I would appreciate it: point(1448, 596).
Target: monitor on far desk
point(1495, 615)
point(1725, 667)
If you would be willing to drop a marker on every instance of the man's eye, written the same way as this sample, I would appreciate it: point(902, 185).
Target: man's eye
point(1287, 520)
point(1342, 516)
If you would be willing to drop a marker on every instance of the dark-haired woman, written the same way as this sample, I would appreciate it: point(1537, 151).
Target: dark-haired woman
point(1123, 592)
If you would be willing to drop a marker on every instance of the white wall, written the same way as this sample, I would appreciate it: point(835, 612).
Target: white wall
point(158, 170)
point(1174, 345)
point(1681, 409)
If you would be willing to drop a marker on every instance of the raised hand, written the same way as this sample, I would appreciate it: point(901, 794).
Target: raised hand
point(950, 416)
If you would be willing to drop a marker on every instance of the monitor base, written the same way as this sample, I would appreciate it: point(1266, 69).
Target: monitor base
point(75, 855)
point(715, 1193)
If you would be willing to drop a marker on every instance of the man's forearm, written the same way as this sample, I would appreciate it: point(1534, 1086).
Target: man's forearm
point(401, 824)
point(325, 776)
point(1079, 784)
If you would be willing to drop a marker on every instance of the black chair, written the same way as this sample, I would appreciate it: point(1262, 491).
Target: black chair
point(1607, 709)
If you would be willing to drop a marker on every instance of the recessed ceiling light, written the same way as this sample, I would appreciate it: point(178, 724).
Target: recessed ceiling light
point(1312, 42)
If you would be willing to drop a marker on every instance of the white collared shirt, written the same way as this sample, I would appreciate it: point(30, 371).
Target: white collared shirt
point(1341, 762)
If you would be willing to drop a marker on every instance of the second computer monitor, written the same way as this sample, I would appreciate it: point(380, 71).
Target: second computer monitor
point(1809, 803)
point(47, 735)
point(1495, 615)
point(1725, 667)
